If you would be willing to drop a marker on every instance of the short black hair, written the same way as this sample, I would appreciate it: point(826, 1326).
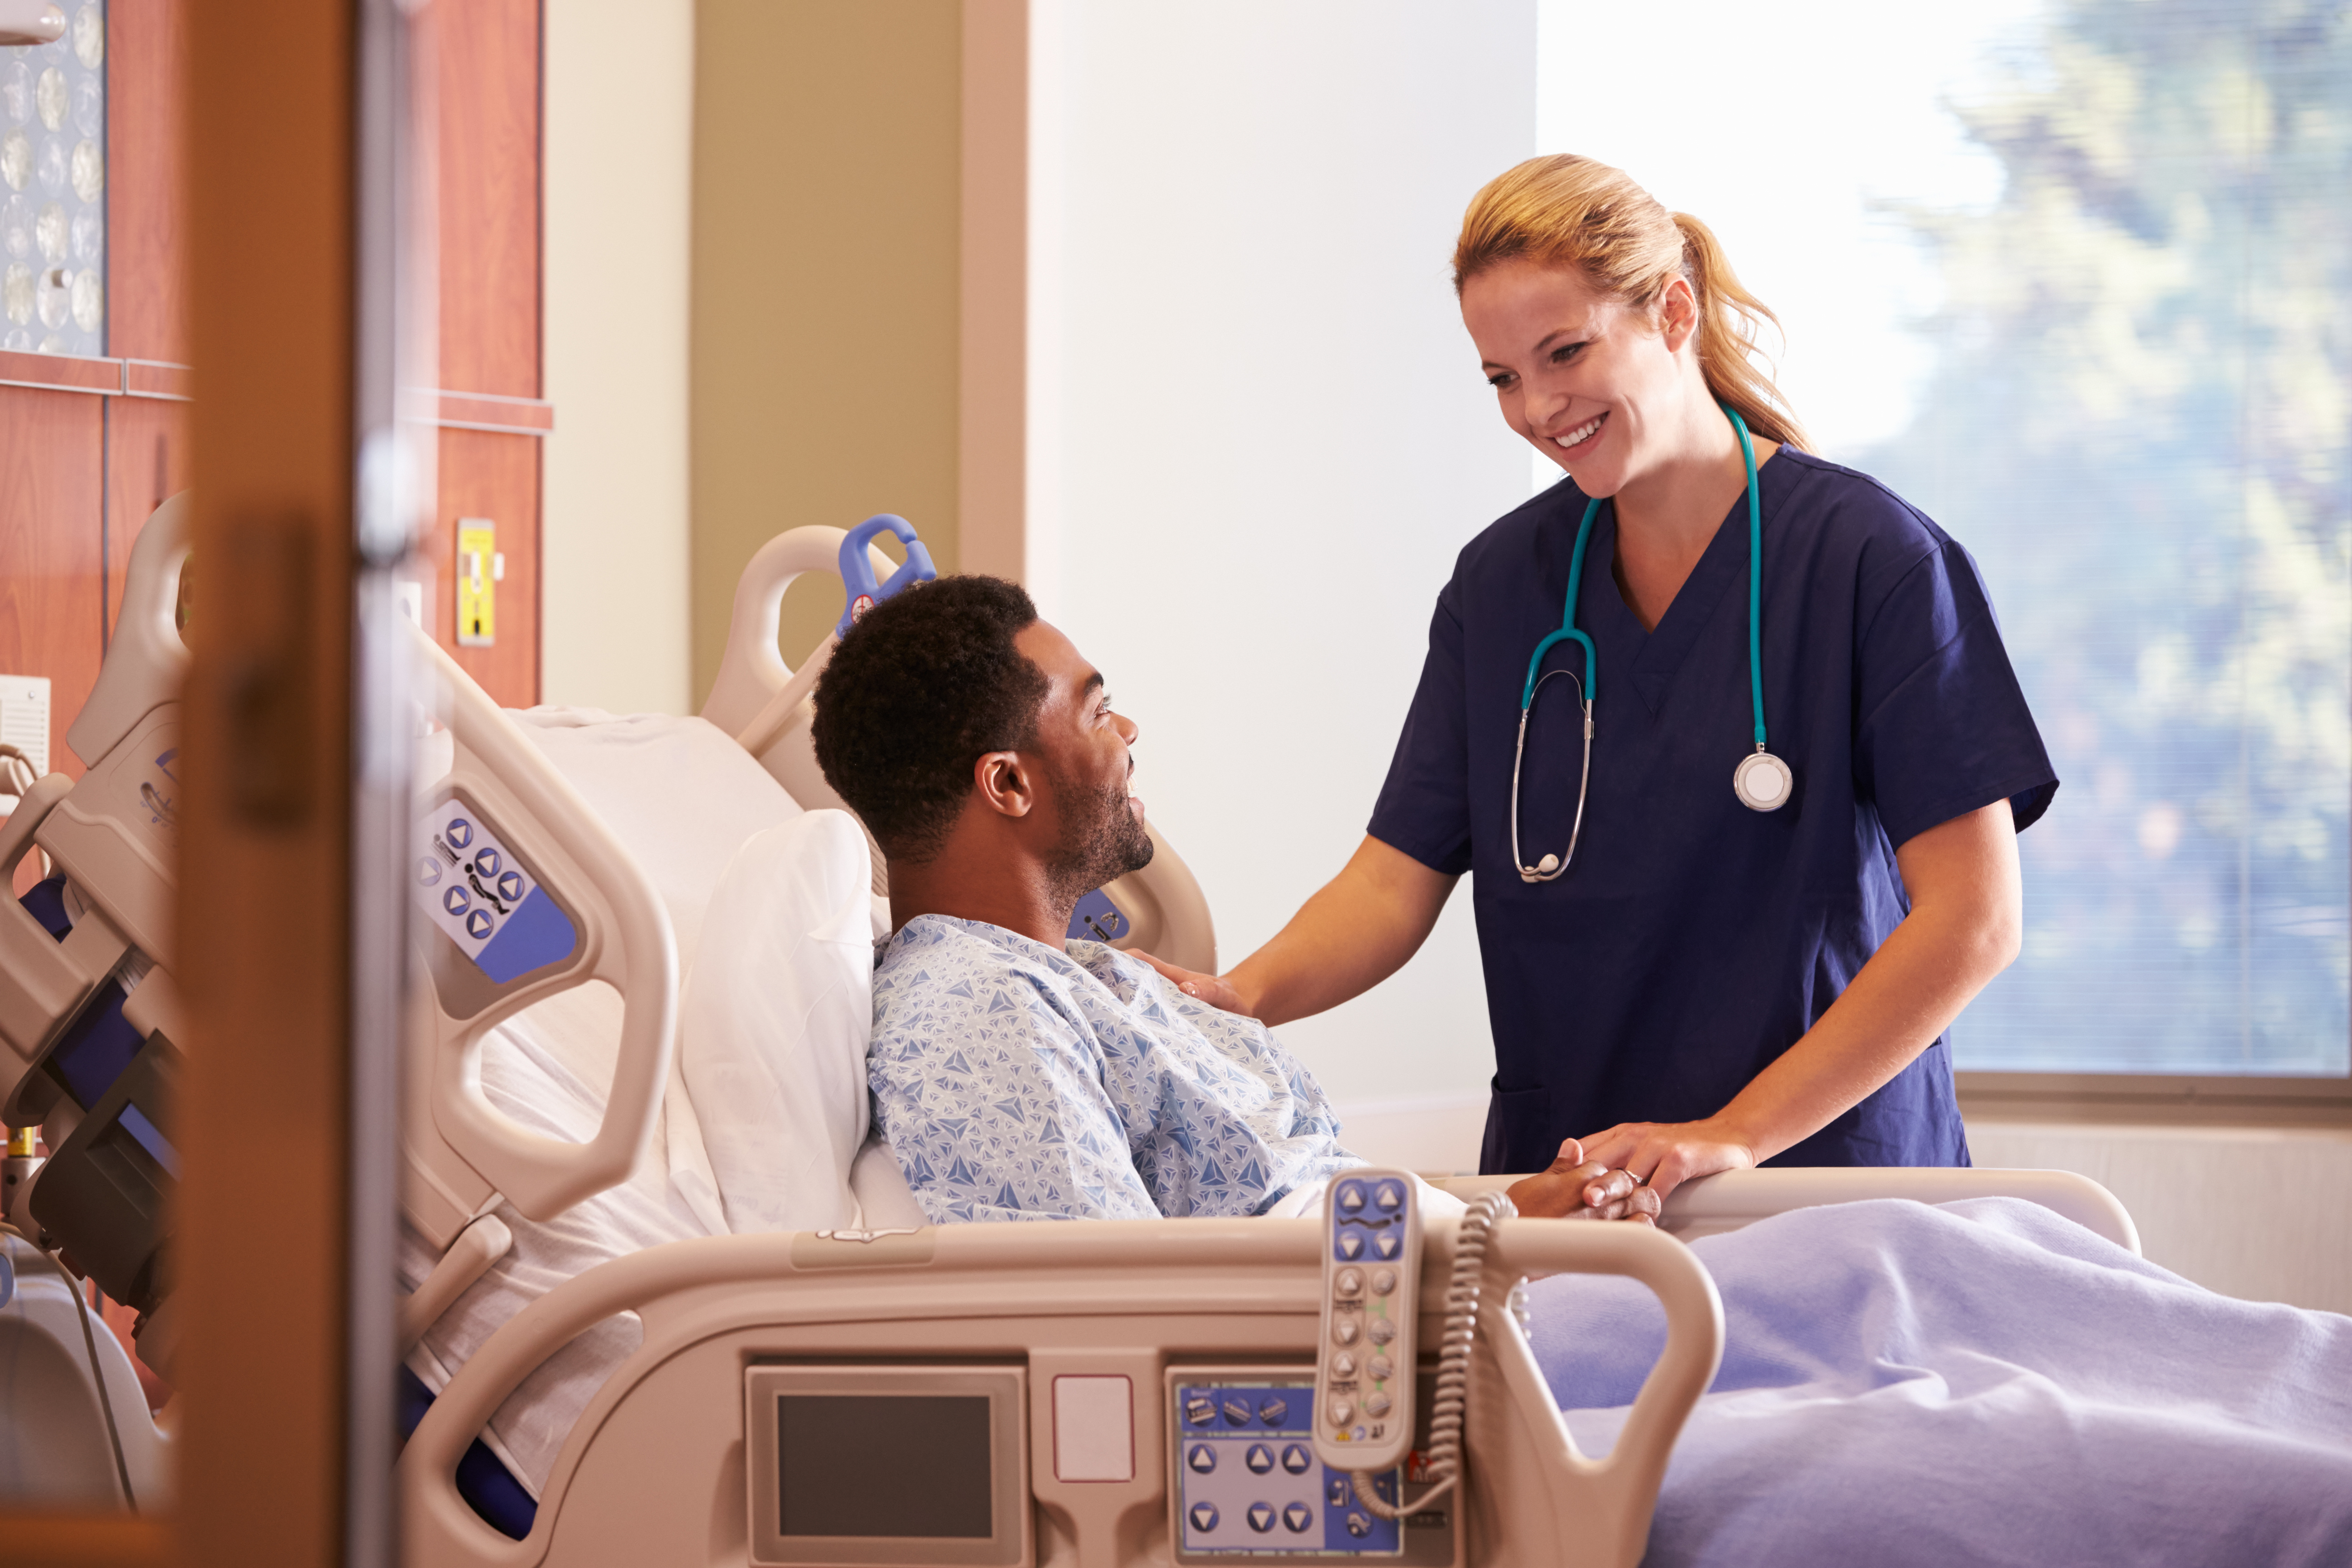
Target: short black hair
point(925, 684)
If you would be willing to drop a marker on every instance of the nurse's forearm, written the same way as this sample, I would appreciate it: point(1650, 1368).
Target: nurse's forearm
point(1350, 936)
point(1966, 921)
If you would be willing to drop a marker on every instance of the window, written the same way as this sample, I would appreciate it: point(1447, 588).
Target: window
point(2075, 277)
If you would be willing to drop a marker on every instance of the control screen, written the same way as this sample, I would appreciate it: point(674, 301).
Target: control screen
point(884, 1465)
point(471, 886)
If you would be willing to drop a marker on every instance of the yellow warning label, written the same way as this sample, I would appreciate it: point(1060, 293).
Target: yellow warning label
point(478, 591)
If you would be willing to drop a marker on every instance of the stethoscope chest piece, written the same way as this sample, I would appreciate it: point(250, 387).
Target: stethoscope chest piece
point(1762, 782)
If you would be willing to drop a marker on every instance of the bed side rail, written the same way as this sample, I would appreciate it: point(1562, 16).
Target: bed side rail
point(1712, 1204)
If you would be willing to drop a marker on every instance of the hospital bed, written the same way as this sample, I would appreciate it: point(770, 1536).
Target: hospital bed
point(675, 1362)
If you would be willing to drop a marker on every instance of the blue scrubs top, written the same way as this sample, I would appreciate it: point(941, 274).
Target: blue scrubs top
point(1692, 941)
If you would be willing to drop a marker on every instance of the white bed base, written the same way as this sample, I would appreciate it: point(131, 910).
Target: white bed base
point(654, 1471)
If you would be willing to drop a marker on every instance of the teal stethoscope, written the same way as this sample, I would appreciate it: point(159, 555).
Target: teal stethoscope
point(1763, 781)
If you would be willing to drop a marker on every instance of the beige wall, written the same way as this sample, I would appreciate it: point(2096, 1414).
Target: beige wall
point(620, 168)
point(825, 279)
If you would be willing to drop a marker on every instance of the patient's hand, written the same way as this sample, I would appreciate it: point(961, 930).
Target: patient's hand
point(1214, 989)
point(1577, 1188)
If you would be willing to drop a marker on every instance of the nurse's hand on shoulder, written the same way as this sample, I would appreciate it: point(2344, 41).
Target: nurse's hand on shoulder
point(1214, 989)
point(1666, 1154)
point(1575, 1187)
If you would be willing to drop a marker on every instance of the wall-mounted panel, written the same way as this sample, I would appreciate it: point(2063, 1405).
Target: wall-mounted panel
point(495, 477)
point(486, 57)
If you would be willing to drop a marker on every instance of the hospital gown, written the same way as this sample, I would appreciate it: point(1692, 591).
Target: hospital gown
point(1017, 1081)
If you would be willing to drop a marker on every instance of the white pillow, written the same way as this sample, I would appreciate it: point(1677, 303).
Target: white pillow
point(774, 1022)
point(678, 792)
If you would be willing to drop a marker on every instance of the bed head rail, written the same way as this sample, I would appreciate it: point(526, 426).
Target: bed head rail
point(752, 671)
point(766, 705)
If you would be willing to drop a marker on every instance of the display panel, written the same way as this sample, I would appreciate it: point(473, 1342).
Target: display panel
point(906, 1463)
point(845, 1463)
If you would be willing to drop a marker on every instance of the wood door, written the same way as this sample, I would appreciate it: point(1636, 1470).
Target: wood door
point(485, 58)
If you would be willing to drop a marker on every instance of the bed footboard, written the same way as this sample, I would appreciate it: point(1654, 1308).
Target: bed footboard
point(656, 1468)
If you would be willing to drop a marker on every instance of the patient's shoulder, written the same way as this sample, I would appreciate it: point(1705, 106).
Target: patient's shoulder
point(940, 967)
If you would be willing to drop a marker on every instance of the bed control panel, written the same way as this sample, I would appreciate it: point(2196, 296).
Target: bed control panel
point(1371, 1288)
point(1247, 1486)
point(477, 892)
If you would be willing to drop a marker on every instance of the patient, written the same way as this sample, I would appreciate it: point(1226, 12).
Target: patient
point(1017, 1074)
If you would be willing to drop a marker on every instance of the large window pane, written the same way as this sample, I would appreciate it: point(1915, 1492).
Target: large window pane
point(2077, 277)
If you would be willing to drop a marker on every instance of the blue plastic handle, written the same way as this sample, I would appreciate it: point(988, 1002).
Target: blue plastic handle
point(858, 572)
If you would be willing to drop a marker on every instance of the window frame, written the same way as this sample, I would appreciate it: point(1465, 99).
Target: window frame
point(2154, 1099)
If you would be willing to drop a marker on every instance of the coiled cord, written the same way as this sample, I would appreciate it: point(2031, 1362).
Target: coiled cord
point(1445, 1410)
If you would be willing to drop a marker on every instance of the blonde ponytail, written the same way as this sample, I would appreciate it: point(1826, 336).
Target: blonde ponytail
point(1566, 211)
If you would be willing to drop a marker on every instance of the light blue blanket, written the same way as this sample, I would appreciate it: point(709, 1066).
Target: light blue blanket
point(1980, 1383)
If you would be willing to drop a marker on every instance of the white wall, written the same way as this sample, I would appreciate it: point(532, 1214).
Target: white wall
point(619, 174)
point(2257, 1213)
point(1258, 435)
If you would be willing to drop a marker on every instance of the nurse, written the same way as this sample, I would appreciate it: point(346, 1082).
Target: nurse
point(1684, 977)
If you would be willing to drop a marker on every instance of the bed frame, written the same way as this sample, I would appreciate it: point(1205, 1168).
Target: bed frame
point(656, 1468)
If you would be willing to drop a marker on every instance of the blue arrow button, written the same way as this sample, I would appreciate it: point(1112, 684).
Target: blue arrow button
point(1296, 1518)
point(1202, 1458)
point(1204, 1517)
point(1296, 1459)
point(478, 925)
point(1261, 1517)
point(1260, 1458)
point(456, 901)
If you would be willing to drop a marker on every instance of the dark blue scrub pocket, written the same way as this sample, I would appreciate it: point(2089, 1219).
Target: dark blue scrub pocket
point(1519, 1140)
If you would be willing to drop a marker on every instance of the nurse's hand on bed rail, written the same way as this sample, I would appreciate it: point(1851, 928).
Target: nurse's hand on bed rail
point(1575, 1187)
point(1666, 1154)
point(1214, 989)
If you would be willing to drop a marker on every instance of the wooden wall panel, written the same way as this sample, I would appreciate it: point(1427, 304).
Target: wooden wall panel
point(147, 305)
point(146, 464)
point(49, 560)
point(486, 59)
point(497, 477)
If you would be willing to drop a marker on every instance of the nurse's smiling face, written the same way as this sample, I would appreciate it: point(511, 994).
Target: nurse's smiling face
point(1598, 386)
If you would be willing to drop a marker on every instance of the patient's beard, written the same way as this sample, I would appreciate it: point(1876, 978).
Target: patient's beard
point(1102, 838)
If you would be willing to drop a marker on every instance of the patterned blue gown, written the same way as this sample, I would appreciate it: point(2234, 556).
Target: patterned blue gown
point(1016, 1081)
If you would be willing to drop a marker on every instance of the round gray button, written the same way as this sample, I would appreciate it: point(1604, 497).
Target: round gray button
point(1383, 1281)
